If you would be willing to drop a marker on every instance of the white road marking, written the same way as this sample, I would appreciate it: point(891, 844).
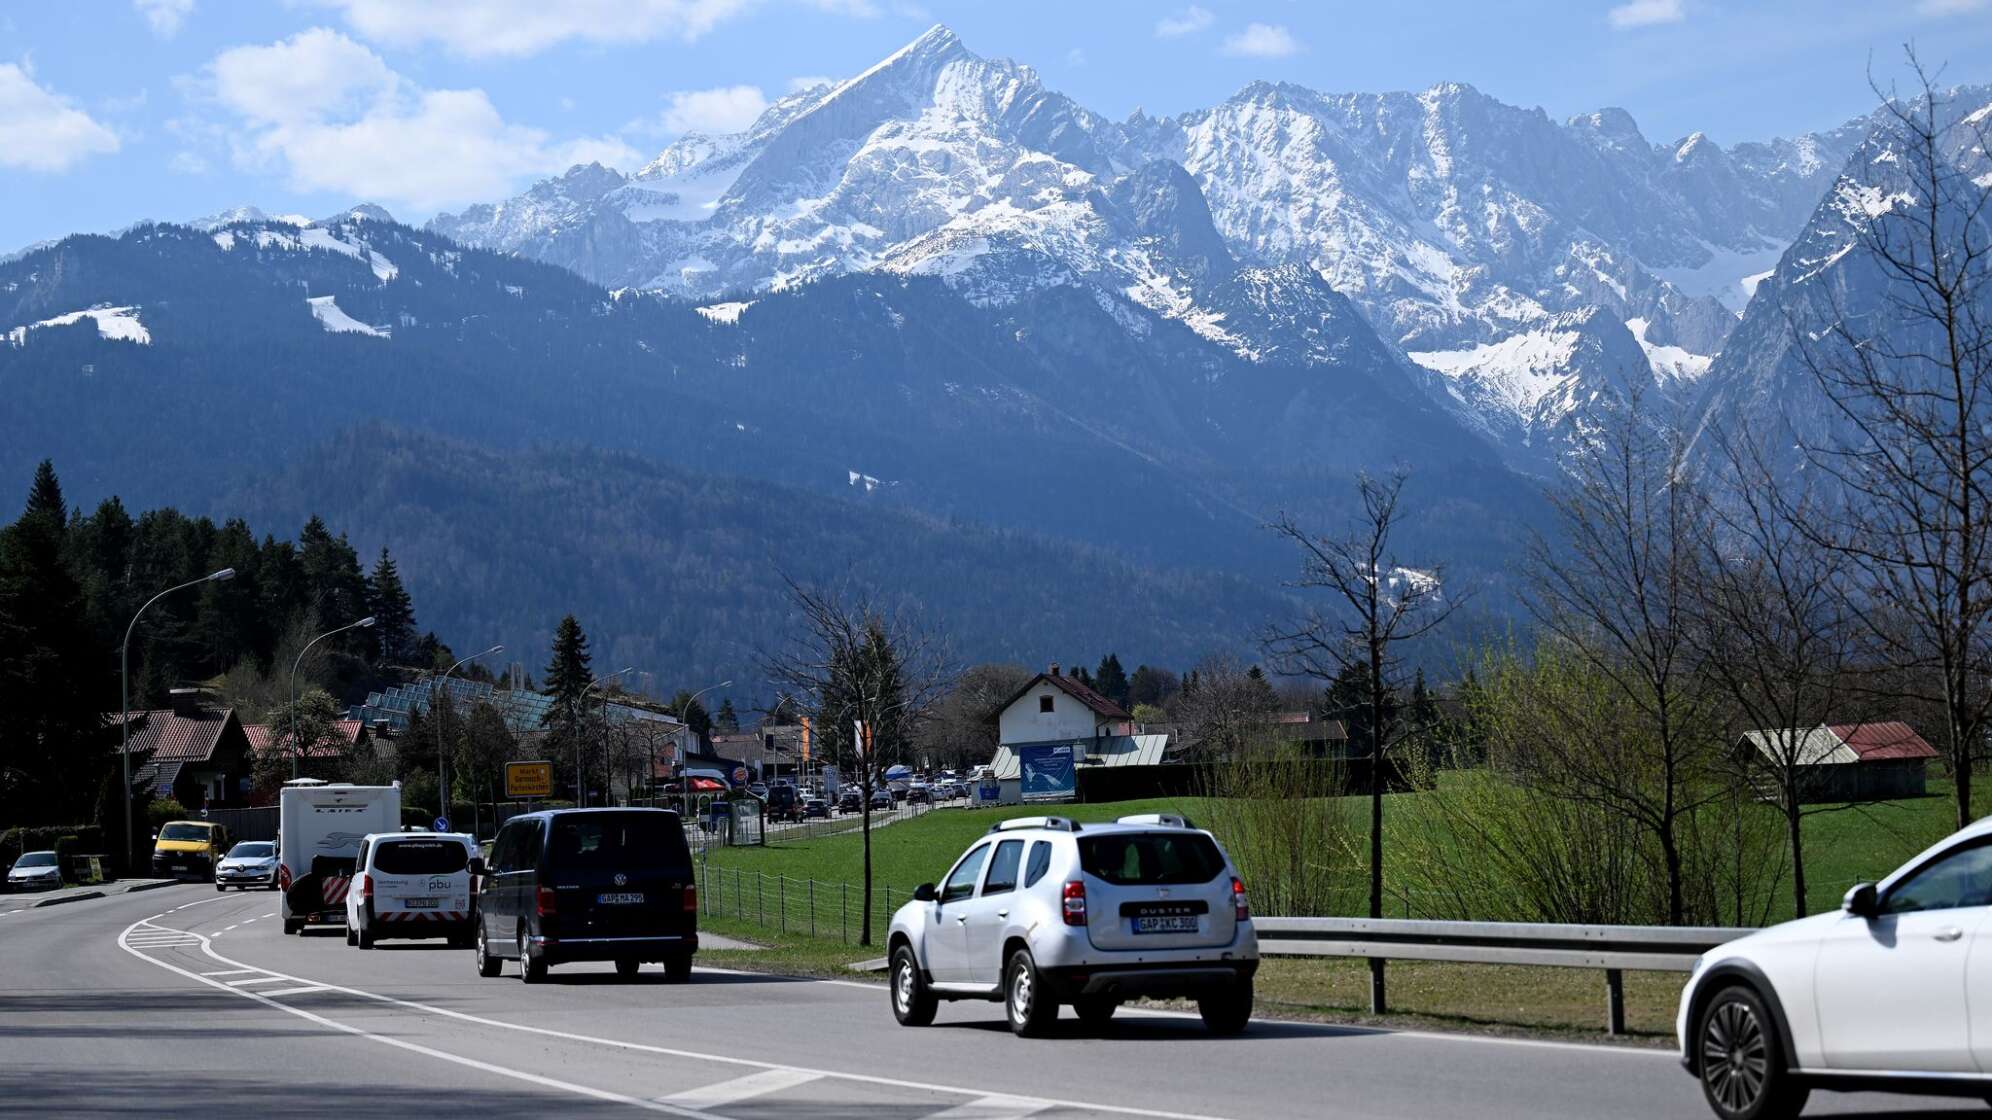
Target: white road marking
point(993, 1107)
point(230, 971)
point(595, 1040)
point(739, 1089)
point(291, 991)
point(257, 980)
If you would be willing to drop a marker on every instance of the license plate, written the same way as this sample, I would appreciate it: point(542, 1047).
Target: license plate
point(1166, 924)
point(421, 903)
point(623, 898)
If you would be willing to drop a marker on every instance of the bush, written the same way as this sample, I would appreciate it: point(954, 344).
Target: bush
point(1295, 845)
point(81, 839)
point(162, 810)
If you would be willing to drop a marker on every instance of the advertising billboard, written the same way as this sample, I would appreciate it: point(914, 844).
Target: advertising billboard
point(1047, 773)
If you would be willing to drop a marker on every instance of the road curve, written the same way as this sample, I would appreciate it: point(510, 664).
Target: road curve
point(184, 1002)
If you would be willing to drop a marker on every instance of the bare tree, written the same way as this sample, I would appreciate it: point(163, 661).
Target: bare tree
point(961, 728)
point(860, 669)
point(1909, 376)
point(1227, 712)
point(1774, 629)
point(1375, 604)
point(1616, 589)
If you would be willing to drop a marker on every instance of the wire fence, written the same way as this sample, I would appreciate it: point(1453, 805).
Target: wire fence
point(815, 907)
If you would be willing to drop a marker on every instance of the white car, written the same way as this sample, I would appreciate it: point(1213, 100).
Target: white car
point(250, 863)
point(1042, 911)
point(411, 884)
point(35, 871)
point(1892, 992)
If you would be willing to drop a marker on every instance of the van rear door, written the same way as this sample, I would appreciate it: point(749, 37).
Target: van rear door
point(1156, 890)
point(420, 878)
point(620, 873)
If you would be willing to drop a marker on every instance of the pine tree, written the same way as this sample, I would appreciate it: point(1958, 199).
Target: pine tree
point(727, 719)
point(1112, 681)
point(568, 679)
point(695, 715)
point(393, 611)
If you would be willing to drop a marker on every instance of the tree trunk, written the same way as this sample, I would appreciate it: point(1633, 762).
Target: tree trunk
point(1795, 837)
point(1376, 781)
point(865, 825)
point(1961, 782)
point(1670, 852)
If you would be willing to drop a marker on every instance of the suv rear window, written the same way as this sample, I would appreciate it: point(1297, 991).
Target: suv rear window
point(617, 840)
point(1151, 858)
point(420, 857)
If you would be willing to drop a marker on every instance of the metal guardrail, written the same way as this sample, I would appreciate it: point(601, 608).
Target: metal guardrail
point(1615, 949)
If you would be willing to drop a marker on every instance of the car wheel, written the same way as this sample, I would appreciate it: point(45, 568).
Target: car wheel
point(532, 969)
point(678, 968)
point(1096, 1011)
point(487, 965)
point(912, 1004)
point(1742, 1065)
point(220, 888)
point(1030, 1008)
point(1228, 1010)
point(627, 969)
point(292, 925)
point(352, 938)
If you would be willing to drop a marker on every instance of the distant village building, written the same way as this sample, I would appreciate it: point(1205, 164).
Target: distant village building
point(1053, 711)
point(1849, 761)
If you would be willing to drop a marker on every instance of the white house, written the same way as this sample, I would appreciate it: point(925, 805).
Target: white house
point(1055, 711)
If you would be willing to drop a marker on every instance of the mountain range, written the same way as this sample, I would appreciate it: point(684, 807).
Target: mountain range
point(943, 289)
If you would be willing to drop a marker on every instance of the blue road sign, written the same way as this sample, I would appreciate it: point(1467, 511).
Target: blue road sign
point(442, 824)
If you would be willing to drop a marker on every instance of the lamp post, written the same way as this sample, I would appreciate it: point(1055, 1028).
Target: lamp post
point(442, 754)
point(296, 753)
point(580, 775)
point(124, 694)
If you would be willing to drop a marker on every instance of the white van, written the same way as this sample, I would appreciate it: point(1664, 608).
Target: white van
point(411, 884)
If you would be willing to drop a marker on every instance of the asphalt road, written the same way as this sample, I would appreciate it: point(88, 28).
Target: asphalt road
point(183, 1002)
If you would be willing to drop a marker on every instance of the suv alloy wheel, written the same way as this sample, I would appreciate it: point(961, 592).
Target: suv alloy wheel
point(1742, 1060)
point(1030, 1008)
point(531, 970)
point(487, 965)
point(912, 1004)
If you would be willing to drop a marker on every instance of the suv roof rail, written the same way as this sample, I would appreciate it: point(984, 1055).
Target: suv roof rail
point(1059, 824)
point(1166, 820)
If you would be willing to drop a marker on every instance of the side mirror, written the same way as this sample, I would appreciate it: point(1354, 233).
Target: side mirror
point(1861, 901)
point(925, 893)
point(476, 867)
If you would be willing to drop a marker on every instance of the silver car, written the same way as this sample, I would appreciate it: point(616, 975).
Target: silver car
point(251, 863)
point(1044, 911)
point(35, 871)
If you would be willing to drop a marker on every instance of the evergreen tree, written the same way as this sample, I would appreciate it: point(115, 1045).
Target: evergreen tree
point(727, 719)
point(695, 716)
point(393, 611)
point(45, 495)
point(1151, 686)
point(568, 679)
point(1111, 681)
point(1347, 698)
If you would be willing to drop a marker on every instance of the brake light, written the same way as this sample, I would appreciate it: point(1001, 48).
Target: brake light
point(543, 901)
point(1075, 903)
point(366, 886)
point(283, 878)
point(1241, 905)
point(691, 900)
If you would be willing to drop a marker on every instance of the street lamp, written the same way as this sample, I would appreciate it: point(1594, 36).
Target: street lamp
point(580, 776)
point(442, 755)
point(124, 692)
point(297, 754)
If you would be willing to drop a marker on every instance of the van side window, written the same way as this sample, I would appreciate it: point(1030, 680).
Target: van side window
point(1003, 868)
point(504, 850)
point(1040, 862)
point(532, 840)
point(961, 881)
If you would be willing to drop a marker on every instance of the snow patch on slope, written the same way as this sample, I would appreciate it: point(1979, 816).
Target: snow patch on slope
point(119, 324)
point(1671, 364)
point(327, 311)
point(728, 313)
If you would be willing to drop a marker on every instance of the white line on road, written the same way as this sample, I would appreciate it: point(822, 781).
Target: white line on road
point(596, 1040)
point(739, 1089)
point(292, 991)
point(993, 1107)
point(256, 980)
point(230, 971)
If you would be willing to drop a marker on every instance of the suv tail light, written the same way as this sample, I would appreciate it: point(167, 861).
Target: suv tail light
point(366, 886)
point(1241, 905)
point(283, 878)
point(543, 901)
point(691, 899)
point(1075, 903)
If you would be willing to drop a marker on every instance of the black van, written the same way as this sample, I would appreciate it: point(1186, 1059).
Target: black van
point(588, 885)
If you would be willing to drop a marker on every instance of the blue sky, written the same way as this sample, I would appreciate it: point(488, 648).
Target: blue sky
point(112, 111)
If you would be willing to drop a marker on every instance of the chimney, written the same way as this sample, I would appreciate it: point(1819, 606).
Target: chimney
point(187, 702)
point(1053, 671)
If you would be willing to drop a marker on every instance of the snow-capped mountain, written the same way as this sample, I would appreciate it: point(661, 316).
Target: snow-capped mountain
point(1452, 221)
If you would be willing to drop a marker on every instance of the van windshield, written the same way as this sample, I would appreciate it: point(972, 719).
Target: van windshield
point(421, 857)
point(184, 832)
point(617, 840)
point(1151, 858)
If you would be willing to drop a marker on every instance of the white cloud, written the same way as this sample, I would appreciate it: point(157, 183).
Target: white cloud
point(165, 16)
point(1646, 13)
point(188, 163)
point(334, 117)
point(722, 110)
point(40, 130)
point(1187, 22)
point(1076, 57)
point(1951, 7)
point(1262, 40)
point(797, 85)
point(487, 28)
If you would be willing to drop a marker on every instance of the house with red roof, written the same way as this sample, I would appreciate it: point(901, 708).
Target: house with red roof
point(1056, 726)
point(1848, 761)
point(193, 752)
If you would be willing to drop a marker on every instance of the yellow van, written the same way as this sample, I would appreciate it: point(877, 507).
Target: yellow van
point(188, 849)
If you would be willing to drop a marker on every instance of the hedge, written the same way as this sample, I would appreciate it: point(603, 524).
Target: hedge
point(63, 839)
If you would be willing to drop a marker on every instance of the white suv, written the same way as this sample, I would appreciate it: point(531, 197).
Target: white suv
point(411, 884)
point(1893, 991)
point(1042, 911)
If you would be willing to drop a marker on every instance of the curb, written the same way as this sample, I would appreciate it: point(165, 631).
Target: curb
point(147, 885)
point(876, 964)
point(66, 898)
